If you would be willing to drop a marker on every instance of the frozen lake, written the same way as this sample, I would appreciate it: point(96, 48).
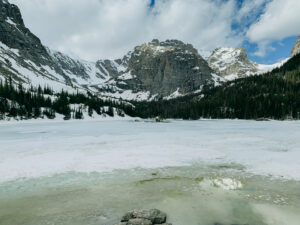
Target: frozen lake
point(211, 171)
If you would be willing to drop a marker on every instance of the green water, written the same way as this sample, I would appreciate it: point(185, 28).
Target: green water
point(188, 195)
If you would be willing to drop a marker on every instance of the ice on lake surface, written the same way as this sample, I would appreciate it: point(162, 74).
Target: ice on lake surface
point(199, 172)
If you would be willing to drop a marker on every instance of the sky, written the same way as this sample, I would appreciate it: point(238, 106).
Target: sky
point(99, 29)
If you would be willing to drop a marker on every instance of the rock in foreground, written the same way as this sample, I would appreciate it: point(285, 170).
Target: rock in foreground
point(144, 217)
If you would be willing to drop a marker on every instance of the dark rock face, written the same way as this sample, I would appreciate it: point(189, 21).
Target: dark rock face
point(144, 217)
point(164, 67)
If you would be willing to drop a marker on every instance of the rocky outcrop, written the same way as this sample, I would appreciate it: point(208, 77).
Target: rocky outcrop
point(144, 217)
point(296, 48)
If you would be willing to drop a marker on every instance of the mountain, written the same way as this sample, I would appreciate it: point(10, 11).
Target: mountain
point(232, 63)
point(24, 58)
point(156, 69)
point(296, 48)
point(153, 70)
point(183, 83)
point(164, 69)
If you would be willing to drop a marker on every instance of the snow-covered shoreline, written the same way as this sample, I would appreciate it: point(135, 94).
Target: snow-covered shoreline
point(60, 118)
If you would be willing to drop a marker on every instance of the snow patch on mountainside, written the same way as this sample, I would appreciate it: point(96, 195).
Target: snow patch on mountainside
point(129, 95)
point(8, 20)
point(175, 94)
point(262, 68)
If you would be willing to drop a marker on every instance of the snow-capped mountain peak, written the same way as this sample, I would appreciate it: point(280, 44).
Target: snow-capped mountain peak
point(233, 63)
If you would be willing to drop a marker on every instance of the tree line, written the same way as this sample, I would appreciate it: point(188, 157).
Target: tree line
point(18, 102)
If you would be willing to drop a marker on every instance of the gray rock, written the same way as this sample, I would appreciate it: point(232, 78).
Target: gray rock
point(154, 215)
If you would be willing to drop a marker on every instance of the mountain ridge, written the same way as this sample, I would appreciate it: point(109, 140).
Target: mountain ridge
point(158, 69)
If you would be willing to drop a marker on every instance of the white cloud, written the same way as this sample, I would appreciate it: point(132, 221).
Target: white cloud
point(249, 11)
point(96, 29)
point(280, 20)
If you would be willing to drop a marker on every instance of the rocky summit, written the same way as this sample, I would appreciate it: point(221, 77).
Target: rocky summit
point(296, 48)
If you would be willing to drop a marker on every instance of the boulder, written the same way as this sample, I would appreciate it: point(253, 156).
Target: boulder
point(144, 217)
point(154, 215)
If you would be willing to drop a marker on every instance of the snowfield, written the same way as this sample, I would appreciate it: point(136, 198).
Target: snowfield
point(45, 149)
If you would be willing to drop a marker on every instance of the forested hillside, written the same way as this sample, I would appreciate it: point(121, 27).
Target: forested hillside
point(20, 103)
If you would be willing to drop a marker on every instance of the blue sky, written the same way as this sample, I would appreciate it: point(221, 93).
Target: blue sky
point(279, 49)
point(99, 29)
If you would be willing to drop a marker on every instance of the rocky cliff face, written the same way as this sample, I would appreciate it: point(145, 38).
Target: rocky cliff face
point(163, 68)
point(296, 48)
